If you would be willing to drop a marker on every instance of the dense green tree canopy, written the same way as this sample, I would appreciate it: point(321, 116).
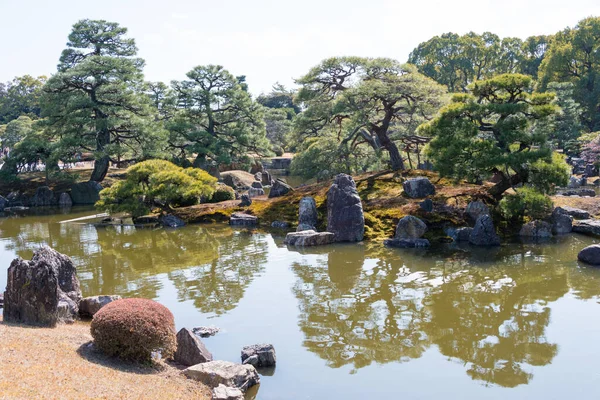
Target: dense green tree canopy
point(366, 101)
point(94, 102)
point(456, 61)
point(21, 96)
point(574, 56)
point(216, 118)
point(492, 130)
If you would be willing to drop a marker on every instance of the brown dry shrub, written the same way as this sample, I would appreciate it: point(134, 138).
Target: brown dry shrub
point(132, 329)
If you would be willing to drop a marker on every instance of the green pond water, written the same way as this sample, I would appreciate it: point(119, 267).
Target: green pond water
point(355, 321)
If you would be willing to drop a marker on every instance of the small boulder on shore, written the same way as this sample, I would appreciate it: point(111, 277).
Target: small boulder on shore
point(190, 349)
point(259, 355)
point(279, 188)
point(418, 188)
point(215, 373)
point(410, 227)
point(536, 229)
point(241, 219)
point(561, 223)
point(223, 392)
point(576, 213)
point(590, 255)
point(587, 227)
point(64, 200)
point(91, 305)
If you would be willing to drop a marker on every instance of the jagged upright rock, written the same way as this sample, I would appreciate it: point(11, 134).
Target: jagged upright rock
point(307, 214)
point(345, 218)
point(86, 192)
point(43, 291)
point(484, 233)
point(561, 222)
point(190, 349)
point(266, 178)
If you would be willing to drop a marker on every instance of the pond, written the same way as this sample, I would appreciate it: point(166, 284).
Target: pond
point(354, 321)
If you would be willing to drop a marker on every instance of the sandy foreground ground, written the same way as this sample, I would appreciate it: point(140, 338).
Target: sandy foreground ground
point(59, 363)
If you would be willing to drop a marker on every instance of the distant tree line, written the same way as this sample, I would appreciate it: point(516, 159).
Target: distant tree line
point(485, 105)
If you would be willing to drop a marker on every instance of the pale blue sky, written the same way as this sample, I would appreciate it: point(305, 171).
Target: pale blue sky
point(265, 40)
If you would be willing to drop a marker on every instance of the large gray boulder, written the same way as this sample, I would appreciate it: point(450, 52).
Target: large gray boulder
point(536, 229)
point(561, 222)
point(238, 180)
point(65, 200)
point(91, 305)
point(190, 349)
point(345, 216)
point(307, 214)
point(86, 192)
point(590, 255)
point(576, 213)
point(309, 238)
point(43, 291)
point(279, 188)
point(410, 227)
point(43, 196)
point(475, 209)
point(259, 355)
point(241, 219)
point(484, 233)
point(418, 188)
point(215, 373)
point(587, 227)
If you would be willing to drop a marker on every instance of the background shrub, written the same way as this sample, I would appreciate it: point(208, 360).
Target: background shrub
point(527, 202)
point(132, 329)
point(222, 193)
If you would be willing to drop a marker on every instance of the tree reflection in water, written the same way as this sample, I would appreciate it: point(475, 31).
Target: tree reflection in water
point(211, 265)
point(487, 310)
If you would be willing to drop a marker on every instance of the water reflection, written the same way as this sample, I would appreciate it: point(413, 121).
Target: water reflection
point(488, 311)
point(210, 265)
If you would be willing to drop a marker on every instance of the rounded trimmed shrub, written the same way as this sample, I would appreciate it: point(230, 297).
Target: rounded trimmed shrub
point(222, 193)
point(133, 329)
